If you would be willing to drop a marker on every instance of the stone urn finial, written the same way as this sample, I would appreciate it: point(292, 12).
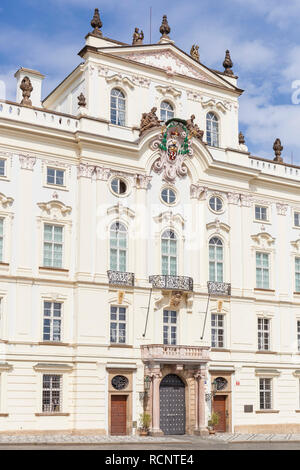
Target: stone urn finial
point(277, 147)
point(81, 101)
point(228, 64)
point(194, 53)
point(26, 88)
point(96, 23)
point(165, 28)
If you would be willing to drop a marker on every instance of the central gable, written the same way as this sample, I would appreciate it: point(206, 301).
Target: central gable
point(173, 61)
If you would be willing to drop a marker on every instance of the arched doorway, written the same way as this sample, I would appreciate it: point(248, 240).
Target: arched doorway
point(172, 405)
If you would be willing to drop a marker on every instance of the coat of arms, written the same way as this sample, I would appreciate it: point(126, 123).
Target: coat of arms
point(174, 146)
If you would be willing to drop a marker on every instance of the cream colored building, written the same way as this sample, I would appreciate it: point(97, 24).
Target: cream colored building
point(92, 205)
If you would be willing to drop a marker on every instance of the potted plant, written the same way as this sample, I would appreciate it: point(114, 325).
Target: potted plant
point(145, 420)
point(213, 422)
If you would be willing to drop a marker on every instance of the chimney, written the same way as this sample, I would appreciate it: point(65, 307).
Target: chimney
point(36, 79)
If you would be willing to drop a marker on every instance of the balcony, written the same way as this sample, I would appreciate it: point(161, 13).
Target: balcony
point(118, 278)
point(168, 354)
point(182, 283)
point(219, 288)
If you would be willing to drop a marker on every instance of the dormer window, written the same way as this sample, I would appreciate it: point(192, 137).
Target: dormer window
point(117, 107)
point(166, 111)
point(212, 130)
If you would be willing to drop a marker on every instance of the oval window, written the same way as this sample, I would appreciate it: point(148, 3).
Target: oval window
point(118, 186)
point(168, 195)
point(216, 204)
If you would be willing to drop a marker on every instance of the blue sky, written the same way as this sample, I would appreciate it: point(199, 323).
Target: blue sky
point(262, 35)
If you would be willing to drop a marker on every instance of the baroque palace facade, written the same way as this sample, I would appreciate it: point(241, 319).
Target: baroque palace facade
point(147, 263)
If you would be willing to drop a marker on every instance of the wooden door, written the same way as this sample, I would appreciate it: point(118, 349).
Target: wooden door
point(118, 415)
point(219, 406)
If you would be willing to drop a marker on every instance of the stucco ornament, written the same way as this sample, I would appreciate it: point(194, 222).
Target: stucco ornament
point(174, 145)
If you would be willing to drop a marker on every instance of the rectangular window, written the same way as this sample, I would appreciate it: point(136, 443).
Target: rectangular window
point(118, 325)
point(217, 331)
point(262, 271)
point(170, 327)
point(1, 239)
point(298, 334)
point(55, 176)
point(261, 213)
point(263, 334)
point(265, 394)
point(297, 274)
point(53, 246)
point(52, 321)
point(297, 219)
point(52, 395)
point(2, 167)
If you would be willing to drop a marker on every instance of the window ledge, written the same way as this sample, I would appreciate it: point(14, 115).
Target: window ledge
point(52, 414)
point(220, 350)
point(258, 289)
point(53, 343)
point(50, 268)
point(266, 411)
point(258, 221)
point(117, 345)
point(265, 351)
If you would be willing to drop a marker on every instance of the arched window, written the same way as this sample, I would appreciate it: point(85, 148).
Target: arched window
point(166, 111)
point(118, 247)
point(117, 107)
point(215, 260)
point(212, 130)
point(169, 253)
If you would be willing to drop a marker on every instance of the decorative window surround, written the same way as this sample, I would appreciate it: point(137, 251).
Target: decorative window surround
point(52, 368)
point(216, 105)
point(118, 80)
point(169, 91)
point(267, 373)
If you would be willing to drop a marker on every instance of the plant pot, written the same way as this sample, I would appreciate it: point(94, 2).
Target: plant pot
point(211, 431)
point(143, 433)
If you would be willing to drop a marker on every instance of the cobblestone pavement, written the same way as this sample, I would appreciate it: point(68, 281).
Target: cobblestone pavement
point(232, 438)
point(72, 438)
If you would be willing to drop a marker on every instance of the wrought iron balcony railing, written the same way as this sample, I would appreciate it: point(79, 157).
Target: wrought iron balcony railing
point(118, 278)
point(219, 288)
point(171, 282)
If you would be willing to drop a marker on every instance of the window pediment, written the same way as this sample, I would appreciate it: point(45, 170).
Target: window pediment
point(5, 201)
point(121, 81)
point(263, 240)
point(120, 210)
point(169, 218)
point(169, 91)
point(55, 209)
point(296, 245)
point(215, 105)
point(218, 226)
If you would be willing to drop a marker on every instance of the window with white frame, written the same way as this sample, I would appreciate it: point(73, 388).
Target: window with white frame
point(261, 213)
point(215, 260)
point(2, 167)
point(52, 321)
point(53, 246)
point(263, 334)
point(166, 111)
point(212, 130)
point(297, 219)
point(1, 238)
point(298, 334)
point(118, 247)
point(297, 274)
point(169, 253)
point(52, 393)
point(117, 107)
point(262, 270)
point(265, 394)
point(170, 327)
point(55, 176)
point(118, 325)
point(217, 330)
